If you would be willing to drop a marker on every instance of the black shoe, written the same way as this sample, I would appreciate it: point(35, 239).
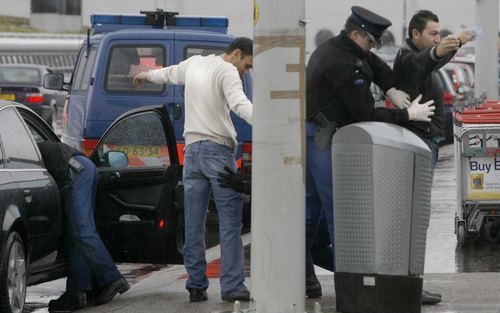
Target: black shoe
point(313, 287)
point(197, 295)
point(109, 291)
point(430, 298)
point(240, 295)
point(69, 301)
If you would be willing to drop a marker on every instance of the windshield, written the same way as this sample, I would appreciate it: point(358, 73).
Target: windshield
point(20, 76)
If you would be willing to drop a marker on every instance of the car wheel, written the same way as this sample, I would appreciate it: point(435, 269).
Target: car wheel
point(13, 271)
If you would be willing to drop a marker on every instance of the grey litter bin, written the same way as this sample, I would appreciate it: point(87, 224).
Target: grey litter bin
point(382, 190)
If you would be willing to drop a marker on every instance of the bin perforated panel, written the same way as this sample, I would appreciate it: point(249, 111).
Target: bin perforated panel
point(392, 216)
point(421, 213)
point(354, 216)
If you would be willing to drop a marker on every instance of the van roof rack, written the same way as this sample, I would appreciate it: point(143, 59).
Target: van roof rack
point(159, 19)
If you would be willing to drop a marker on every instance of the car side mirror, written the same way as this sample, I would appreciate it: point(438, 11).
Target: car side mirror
point(54, 81)
point(115, 159)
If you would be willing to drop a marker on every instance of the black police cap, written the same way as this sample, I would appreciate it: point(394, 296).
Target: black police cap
point(371, 22)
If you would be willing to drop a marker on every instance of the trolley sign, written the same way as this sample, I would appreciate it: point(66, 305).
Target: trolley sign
point(483, 176)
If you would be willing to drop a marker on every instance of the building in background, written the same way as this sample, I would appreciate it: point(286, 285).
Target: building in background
point(57, 16)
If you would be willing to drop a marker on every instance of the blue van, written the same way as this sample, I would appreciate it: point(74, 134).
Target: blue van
point(121, 46)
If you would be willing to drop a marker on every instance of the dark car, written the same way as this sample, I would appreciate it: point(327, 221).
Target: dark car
point(137, 208)
point(23, 83)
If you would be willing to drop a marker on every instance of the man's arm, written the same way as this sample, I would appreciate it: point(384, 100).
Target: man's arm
point(235, 97)
point(174, 74)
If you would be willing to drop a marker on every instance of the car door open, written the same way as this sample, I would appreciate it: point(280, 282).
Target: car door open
point(136, 208)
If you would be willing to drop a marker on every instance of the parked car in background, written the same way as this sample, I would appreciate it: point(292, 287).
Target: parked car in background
point(450, 97)
point(23, 83)
point(137, 208)
point(462, 77)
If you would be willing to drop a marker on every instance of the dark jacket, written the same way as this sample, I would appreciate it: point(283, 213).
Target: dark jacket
point(413, 74)
point(339, 75)
point(55, 156)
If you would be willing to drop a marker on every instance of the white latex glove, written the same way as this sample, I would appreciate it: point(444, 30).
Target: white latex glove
point(398, 97)
point(421, 111)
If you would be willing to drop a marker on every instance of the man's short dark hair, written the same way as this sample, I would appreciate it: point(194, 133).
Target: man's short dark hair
point(351, 26)
point(242, 43)
point(419, 21)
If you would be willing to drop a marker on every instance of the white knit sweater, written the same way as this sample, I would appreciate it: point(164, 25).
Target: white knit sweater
point(213, 88)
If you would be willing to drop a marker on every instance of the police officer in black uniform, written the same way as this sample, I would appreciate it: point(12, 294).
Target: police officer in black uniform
point(339, 75)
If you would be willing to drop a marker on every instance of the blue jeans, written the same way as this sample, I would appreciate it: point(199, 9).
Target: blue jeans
point(203, 160)
point(434, 146)
point(319, 194)
point(88, 257)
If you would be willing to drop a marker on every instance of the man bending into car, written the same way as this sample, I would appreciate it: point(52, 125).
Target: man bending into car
point(89, 259)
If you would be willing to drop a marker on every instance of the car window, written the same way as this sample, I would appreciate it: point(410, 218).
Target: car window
point(126, 62)
point(20, 76)
point(83, 69)
point(88, 69)
point(141, 138)
point(19, 148)
point(34, 133)
point(196, 50)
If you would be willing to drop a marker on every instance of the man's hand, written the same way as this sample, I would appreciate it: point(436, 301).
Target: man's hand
point(467, 36)
point(448, 44)
point(139, 79)
point(399, 98)
point(421, 111)
point(235, 181)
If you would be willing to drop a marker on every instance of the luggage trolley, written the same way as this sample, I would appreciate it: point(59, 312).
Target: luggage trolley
point(477, 167)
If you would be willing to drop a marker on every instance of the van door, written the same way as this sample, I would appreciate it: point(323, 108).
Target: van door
point(136, 209)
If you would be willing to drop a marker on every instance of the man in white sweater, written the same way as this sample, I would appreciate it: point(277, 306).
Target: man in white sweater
point(213, 88)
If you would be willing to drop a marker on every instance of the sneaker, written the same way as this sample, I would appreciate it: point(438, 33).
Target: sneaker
point(69, 301)
point(109, 291)
point(243, 295)
point(430, 298)
point(313, 287)
point(197, 295)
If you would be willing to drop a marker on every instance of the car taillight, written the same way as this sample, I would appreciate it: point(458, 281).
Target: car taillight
point(247, 151)
point(246, 157)
point(88, 146)
point(448, 98)
point(34, 98)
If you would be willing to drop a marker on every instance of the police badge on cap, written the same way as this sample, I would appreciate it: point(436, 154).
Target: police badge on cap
point(371, 22)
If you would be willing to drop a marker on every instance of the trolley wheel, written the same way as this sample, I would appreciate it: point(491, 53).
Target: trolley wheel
point(491, 231)
point(461, 236)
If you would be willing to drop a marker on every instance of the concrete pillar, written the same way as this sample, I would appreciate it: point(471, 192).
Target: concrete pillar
point(278, 174)
point(486, 71)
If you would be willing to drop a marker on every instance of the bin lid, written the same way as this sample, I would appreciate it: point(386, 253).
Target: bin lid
point(382, 134)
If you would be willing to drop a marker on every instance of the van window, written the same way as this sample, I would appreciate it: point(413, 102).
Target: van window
point(197, 50)
point(126, 62)
point(83, 70)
